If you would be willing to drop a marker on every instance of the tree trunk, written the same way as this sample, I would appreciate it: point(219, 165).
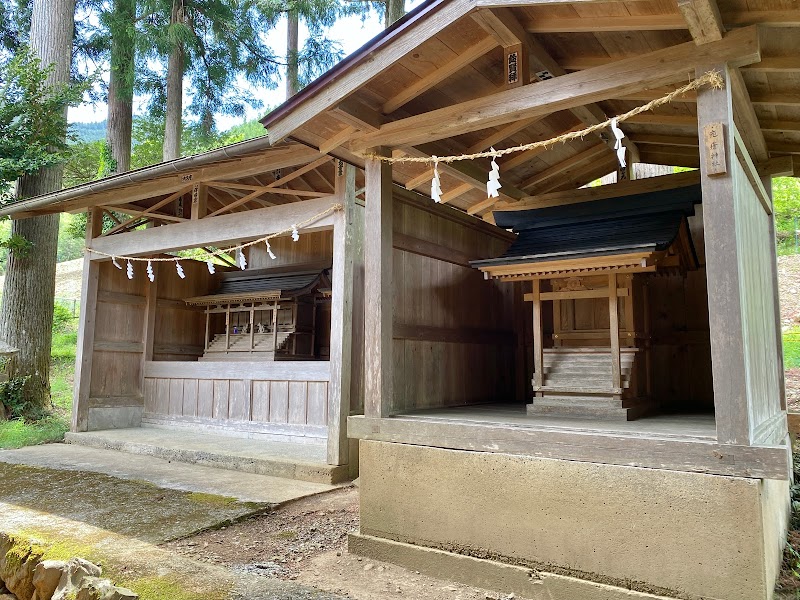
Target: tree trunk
point(26, 314)
point(120, 86)
point(395, 9)
point(292, 52)
point(175, 68)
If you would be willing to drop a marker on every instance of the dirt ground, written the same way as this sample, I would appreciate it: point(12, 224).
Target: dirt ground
point(306, 541)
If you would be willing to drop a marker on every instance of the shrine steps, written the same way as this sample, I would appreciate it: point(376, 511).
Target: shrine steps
point(606, 408)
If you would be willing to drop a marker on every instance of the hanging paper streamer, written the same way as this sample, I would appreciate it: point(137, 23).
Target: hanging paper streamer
point(179, 269)
point(618, 145)
point(150, 275)
point(115, 263)
point(242, 261)
point(295, 233)
point(129, 270)
point(270, 252)
point(210, 266)
point(493, 185)
point(436, 185)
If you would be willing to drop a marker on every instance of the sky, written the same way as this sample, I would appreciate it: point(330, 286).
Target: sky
point(350, 32)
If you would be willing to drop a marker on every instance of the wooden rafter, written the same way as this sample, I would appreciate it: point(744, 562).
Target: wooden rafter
point(662, 22)
point(582, 158)
point(463, 59)
point(148, 212)
point(703, 19)
point(503, 134)
point(659, 67)
point(334, 141)
point(666, 120)
point(768, 64)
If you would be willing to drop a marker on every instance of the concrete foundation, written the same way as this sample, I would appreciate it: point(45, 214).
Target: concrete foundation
point(663, 533)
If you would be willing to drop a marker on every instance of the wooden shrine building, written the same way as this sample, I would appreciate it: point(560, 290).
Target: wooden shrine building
point(565, 391)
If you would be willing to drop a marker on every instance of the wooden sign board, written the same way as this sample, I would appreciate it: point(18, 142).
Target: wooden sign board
point(516, 66)
point(714, 144)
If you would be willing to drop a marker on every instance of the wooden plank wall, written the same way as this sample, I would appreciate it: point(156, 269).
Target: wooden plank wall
point(454, 340)
point(312, 248)
point(179, 328)
point(680, 342)
point(283, 398)
point(118, 339)
point(757, 289)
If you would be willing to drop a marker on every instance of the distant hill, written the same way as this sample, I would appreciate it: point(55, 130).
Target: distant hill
point(90, 132)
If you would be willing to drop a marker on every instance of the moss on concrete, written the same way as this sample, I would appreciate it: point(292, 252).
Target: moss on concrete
point(211, 499)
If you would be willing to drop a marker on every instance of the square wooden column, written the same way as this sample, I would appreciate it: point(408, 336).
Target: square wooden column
point(348, 249)
point(729, 370)
point(378, 282)
point(86, 325)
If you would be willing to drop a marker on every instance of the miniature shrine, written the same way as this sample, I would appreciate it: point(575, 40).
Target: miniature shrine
point(263, 316)
point(591, 262)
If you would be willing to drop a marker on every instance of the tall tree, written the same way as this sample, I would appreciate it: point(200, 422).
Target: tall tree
point(26, 313)
point(121, 28)
point(395, 9)
point(175, 71)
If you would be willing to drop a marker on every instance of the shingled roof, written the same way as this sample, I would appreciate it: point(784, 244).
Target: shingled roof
point(638, 223)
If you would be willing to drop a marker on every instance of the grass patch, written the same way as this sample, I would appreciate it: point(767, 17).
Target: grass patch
point(791, 348)
point(211, 499)
point(64, 345)
point(16, 434)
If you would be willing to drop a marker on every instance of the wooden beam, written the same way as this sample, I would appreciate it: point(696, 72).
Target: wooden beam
point(780, 126)
point(666, 140)
point(216, 231)
point(277, 158)
point(336, 140)
point(502, 134)
point(148, 211)
point(729, 371)
point(776, 99)
point(199, 201)
point(378, 282)
point(348, 248)
point(604, 447)
point(703, 20)
point(745, 118)
point(751, 172)
point(501, 24)
point(86, 326)
point(591, 113)
point(768, 64)
point(578, 159)
point(603, 192)
point(356, 114)
point(463, 59)
point(667, 120)
point(455, 192)
point(658, 22)
point(660, 67)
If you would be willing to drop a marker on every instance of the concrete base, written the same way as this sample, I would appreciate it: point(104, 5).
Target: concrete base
point(304, 462)
point(488, 574)
point(664, 533)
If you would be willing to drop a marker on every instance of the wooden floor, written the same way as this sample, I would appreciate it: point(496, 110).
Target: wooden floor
point(678, 426)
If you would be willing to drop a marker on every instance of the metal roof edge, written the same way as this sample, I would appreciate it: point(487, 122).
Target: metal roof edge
point(173, 166)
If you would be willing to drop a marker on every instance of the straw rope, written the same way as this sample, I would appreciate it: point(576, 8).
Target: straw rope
point(209, 255)
point(710, 78)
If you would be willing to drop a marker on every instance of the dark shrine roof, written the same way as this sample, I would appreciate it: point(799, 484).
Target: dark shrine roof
point(289, 284)
point(636, 223)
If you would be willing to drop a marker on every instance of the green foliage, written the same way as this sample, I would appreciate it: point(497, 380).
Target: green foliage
point(69, 248)
point(17, 244)
point(90, 132)
point(84, 162)
point(33, 124)
point(62, 317)
point(786, 202)
point(791, 348)
point(15, 401)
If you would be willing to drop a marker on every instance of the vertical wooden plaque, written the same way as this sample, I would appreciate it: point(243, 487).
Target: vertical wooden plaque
point(714, 145)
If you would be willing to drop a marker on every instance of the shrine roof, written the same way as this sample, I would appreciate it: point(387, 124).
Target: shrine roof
point(241, 287)
point(638, 223)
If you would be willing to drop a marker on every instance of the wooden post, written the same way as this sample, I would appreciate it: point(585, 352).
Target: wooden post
point(86, 326)
point(199, 201)
point(538, 350)
point(613, 327)
point(227, 327)
point(347, 244)
point(252, 325)
point(274, 329)
point(148, 333)
point(378, 282)
point(722, 271)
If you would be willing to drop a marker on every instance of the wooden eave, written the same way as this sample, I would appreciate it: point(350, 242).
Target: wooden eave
point(215, 299)
point(444, 59)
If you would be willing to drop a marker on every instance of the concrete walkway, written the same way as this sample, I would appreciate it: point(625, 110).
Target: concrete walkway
point(119, 522)
point(305, 462)
point(244, 487)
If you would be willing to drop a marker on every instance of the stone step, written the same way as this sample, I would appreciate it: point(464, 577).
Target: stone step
point(304, 462)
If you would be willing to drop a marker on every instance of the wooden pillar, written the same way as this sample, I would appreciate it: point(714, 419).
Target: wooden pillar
point(148, 332)
point(613, 327)
point(538, 350)
point(722, 270)
point(378, 234)
point(347, 246)
point(86, 326)
point(199, 201)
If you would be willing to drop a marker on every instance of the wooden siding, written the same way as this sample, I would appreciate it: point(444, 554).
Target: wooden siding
point(118, 339)
point(757, 290)
point(453, 331)
point(283, 398)
point(312, 248)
